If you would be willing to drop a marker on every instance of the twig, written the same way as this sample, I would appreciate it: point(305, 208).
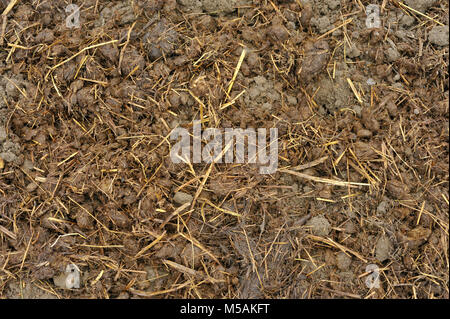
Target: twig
point(4, 14)
point(323, 180)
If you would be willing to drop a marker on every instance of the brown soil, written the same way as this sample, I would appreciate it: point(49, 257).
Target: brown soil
point(86, 177)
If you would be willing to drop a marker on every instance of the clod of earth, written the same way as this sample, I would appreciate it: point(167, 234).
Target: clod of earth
point(439, 35)
point(320, 226)
point(383, 248)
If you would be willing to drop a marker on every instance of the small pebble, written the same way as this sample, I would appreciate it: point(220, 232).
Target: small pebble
point(69, 279)
point(364, 133)
point(382, 208)
point(371, 81)
point(392, 55)
point(182, 198)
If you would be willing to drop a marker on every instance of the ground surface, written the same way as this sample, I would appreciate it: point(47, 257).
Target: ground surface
point(86, 177)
